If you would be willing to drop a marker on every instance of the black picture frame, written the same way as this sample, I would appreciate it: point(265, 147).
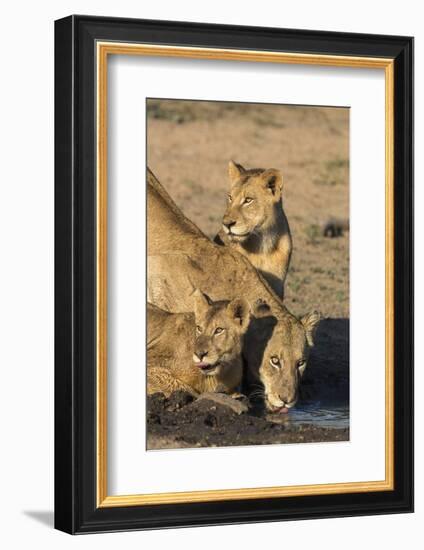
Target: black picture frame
point(76, 510)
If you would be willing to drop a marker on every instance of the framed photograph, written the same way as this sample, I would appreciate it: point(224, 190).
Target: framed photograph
point(234, 274)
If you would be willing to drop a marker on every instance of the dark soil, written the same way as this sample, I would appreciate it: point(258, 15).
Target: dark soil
point(182, 421)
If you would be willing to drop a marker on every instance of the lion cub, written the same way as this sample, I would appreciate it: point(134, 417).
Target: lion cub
point(198, 352)
point(255, 224)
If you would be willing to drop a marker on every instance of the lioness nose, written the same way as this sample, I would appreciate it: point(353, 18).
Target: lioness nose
point(289, 399)
point(228, 223)
point(201, 354)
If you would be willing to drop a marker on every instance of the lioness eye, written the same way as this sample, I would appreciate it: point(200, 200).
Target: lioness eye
point(199, 329)
point(275, 361)
point(230, 198)
point(301, 363)
point(247, 200)
point(218, 330)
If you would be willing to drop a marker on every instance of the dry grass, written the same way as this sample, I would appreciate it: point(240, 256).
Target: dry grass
point(190, 144)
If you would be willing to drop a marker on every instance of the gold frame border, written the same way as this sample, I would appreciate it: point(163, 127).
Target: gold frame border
point(120, 48)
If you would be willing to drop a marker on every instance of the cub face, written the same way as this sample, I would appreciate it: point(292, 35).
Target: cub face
point(282, 360)
point(220, 327)
point(254, 201)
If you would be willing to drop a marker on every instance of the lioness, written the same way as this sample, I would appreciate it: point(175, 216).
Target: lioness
point(198, 352)
point(255, 224)
point(277, 364)
point(181, 258)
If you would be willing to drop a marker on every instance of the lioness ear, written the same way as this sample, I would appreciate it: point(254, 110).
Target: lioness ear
point(261, 309)
point(235, 170)
point(273, 181)
point(239, 311)
point(310, 322)
point(201, 302)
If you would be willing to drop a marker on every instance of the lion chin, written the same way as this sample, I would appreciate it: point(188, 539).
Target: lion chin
point(238, 237)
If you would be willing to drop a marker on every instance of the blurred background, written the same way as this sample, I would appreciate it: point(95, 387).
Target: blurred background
point(191, 142)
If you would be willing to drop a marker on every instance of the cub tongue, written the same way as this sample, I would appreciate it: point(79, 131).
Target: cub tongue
point(283, 410)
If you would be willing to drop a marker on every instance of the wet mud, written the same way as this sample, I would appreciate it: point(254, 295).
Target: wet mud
point(182, 421)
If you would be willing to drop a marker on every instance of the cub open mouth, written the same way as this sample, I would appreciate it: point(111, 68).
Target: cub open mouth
point(206, 367)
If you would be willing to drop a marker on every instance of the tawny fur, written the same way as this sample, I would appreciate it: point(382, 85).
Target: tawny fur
point(255, 223)
point(173, 341)
point(181, 258)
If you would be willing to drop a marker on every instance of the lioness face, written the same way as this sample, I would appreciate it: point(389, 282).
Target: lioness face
point(253, 202)
point(284, 360)
point(219, 331)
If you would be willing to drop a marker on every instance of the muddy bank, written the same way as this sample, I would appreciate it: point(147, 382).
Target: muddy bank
point(181, 421)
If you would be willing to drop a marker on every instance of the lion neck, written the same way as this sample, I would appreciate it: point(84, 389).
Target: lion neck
point(267, 240)
point(262, 243)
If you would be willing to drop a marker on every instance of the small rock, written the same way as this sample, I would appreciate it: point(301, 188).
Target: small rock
point(237, 406)
point(178, 399)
